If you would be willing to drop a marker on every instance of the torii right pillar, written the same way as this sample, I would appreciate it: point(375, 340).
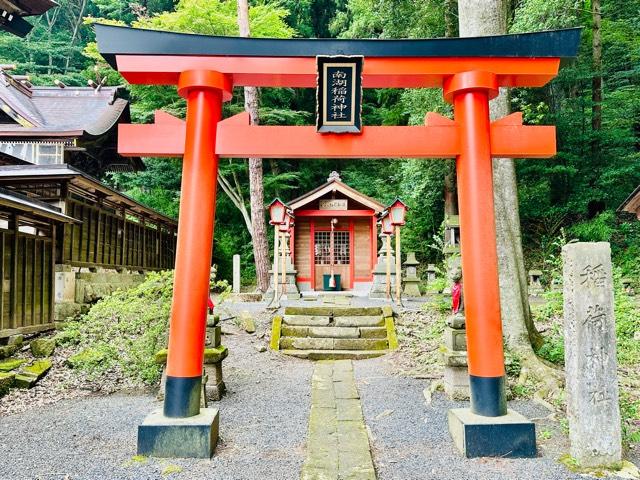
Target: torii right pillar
point(488, 428)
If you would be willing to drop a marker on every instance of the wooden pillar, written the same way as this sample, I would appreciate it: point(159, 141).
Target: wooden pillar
point(203, 91)
point(13, 296)
point(470, 93)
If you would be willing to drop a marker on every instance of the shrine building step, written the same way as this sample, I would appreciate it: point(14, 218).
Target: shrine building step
point(341, 321)
point(318, 333)
point(335, 354)
point(333, 332)
point(306, 343)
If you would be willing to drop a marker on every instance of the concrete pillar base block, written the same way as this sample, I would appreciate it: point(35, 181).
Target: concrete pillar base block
point(192, 437)
point(509, 436)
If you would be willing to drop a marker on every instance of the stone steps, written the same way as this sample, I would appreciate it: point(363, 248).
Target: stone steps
point(335, 354)
point(334, 332)
point(329, 333)
point(306, 343)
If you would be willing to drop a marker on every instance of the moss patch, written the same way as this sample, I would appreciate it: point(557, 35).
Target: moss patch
point(11, 364)
point(43, 347)
point(38, 369)
point(598, 472)
point(6, 382)
point(87, 359)
point(276, 331)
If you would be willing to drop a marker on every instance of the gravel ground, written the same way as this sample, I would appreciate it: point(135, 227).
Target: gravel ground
point(411, 440)
point(263, 424)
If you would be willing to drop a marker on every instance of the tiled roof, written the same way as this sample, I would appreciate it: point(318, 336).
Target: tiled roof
point(24, 8)
point(54, 111)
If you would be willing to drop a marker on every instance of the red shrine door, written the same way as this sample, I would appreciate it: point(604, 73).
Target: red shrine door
point(342, 257)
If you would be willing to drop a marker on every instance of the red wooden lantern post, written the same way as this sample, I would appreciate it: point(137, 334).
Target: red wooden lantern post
point(397, 213)
point(278, 213)
point(283, 228)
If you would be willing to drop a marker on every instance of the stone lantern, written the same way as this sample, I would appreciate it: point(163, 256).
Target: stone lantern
point(411, 280)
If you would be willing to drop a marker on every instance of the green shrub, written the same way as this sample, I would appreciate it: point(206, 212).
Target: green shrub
point(124, 331)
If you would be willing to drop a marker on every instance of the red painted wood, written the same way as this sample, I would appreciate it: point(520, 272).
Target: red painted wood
point(390, 72)
point(238, 140)
point(373, 244)
point(334, 213)
point(312, 260)
point(352, 253)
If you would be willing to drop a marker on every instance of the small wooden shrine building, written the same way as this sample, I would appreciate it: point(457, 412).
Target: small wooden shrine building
point(355, 236)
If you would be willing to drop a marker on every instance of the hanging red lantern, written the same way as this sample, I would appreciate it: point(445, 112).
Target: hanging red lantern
point(387, 225)
point(397, 212)
point(277, 211)
point(286, 224)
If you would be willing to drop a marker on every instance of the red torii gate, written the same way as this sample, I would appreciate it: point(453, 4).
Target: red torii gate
point(469, 70)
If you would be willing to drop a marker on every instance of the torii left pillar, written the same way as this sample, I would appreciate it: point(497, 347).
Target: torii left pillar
point(182, 428)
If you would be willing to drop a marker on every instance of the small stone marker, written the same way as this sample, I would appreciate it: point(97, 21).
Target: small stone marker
point(590, 355)
point(236, 274)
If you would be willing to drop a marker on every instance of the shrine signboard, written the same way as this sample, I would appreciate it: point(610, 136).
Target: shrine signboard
point(339, 94)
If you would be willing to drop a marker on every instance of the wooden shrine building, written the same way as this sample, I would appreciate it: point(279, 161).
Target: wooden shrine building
point(67, 238)
point(355, 236)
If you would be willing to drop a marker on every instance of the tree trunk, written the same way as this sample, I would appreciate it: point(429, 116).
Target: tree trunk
point(450, 187)
point(256, 186)
point(489, 17)
point(596, 82)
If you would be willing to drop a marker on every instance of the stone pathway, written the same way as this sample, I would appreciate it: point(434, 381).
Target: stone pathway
point(337, 442)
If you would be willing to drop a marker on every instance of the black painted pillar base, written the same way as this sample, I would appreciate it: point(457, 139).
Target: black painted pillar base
point(488, 396)
point(191, 437)
point(508, 436)
point(182, 396)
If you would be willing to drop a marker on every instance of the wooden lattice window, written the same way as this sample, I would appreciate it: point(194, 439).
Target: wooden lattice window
point(341, 245)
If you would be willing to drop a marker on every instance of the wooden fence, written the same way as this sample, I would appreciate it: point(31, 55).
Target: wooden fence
point(27, 272)
point(112, 239)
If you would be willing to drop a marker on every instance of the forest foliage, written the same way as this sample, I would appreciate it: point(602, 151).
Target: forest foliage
point(575, 194)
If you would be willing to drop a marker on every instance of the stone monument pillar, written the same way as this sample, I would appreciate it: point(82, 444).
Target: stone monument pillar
point(456, 375)
point(535, 287)
point(451, 248)
point(411, 280)
point(590, 355)
point(236, 274)
point(379, 285)
point(291, 289)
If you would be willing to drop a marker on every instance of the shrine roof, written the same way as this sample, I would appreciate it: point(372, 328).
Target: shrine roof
point(632, 203)
point(117, 40)
point(38, 111)
point(335, 184)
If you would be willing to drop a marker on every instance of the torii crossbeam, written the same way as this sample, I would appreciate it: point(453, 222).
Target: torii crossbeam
point(469, 70)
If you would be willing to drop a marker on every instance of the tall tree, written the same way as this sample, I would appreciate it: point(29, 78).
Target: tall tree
point(596, 82)
point(489, 17)
point(256, 186)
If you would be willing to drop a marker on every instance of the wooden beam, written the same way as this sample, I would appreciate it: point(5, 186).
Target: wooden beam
point(236, 138)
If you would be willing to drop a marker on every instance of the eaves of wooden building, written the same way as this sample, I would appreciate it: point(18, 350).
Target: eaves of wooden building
point(58, 222)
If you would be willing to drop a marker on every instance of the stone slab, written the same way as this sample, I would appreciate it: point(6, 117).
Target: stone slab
point(334, 354)
point(455, 359)
point(334, 332)
point(332, 311)
point(373, 332)
point(456, 383)
point(307, 320)
point(509, 436)
point(455, 339)
point(359, 321)
point(192, 437)
point(360, 344)
point(593, 408)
